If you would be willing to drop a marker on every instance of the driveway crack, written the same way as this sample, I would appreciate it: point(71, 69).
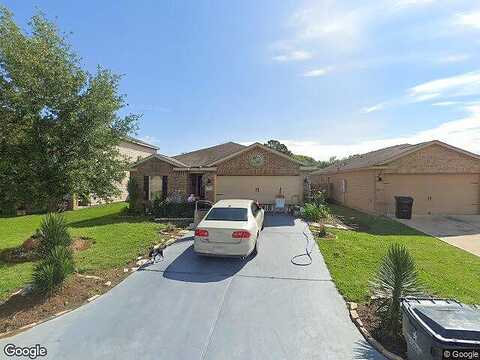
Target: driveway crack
point(214, 325)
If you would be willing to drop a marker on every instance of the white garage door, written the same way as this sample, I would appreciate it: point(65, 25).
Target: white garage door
point(435, 194)
point(260, 188)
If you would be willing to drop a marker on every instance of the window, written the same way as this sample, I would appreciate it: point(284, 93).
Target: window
point(156, 187)
point(227, 214)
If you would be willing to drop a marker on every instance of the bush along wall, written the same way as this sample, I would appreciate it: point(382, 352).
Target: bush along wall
point(170, 209)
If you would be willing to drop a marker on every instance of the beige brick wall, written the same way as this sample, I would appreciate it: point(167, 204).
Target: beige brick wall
point(435, 159)
point(273, 165)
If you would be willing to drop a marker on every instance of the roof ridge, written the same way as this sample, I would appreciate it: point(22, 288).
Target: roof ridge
point(207, 148)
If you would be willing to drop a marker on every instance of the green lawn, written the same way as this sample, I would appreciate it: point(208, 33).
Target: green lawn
point(118, 240)
point(354, 257)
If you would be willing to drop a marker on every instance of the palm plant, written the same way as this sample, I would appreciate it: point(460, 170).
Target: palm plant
point(53, 232)
point(396, 277)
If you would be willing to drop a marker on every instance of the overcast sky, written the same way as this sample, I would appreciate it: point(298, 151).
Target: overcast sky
point(325, 77)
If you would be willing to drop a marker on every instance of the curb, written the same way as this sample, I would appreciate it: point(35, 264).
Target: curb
point(352, 309)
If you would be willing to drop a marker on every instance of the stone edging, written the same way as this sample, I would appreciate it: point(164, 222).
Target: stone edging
point(26, 327)
point(93, 298)
point(352, 309)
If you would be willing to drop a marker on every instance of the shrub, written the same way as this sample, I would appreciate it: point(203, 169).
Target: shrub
point(314, 212)
point(396, 277)
point(170, 209)
point(53, 269)
point(53, 232)
point(319, 198)
point(133, 194)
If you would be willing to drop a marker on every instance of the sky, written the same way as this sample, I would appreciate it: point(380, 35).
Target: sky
point(327, 78)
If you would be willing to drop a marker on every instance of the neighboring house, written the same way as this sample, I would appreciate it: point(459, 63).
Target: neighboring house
point(224, 171)
point(441, 178)
point(133, 150)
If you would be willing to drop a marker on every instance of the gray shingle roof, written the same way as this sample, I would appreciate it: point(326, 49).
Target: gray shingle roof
point(373, 158)
point(204, 157)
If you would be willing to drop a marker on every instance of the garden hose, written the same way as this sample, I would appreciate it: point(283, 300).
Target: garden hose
point(307, 253)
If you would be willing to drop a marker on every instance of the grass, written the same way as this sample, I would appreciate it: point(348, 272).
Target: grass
point(354, 256)
point(117, 240)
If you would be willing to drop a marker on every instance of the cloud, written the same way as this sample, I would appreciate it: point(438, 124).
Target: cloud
point(458, 86)
point(463, 133)
point(373, 108)
point(454, 58)
point(469, 20)
point(318, 72)
point(150, 139)
point(454, 86)
point(293, 55)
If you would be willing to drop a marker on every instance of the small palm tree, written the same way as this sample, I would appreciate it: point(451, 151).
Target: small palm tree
point(396, 277)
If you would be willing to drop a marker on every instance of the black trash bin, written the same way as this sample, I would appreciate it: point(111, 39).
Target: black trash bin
point(403, 207)
point(439, 329)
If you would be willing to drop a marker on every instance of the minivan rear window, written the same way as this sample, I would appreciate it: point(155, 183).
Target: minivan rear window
point(227, 214)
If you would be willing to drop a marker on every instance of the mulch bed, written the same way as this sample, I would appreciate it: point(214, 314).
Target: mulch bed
point(20, 310)
point(370, 320)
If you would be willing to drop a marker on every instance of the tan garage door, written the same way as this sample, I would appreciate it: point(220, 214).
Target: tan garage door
point(261, 188)
point(435, 194)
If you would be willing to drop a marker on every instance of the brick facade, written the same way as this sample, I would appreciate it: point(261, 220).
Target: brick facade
point(274, 164)
point(177, 181)
point(435, 159)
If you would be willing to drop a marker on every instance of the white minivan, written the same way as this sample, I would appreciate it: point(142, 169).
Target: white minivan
point(230, 228)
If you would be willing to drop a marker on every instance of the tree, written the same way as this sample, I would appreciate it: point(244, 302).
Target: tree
point(59, 123)
point(277, 145)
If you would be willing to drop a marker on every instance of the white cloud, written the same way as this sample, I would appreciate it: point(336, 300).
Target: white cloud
point(293, 55)
point(471, 19)
point(373, 108)
point(150, 139)
point(460, 85)
point(454, 58)
point(318, 72)
point(463, 133)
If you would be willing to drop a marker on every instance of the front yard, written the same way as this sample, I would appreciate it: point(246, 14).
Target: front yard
point(116, 240)
point(354, 256)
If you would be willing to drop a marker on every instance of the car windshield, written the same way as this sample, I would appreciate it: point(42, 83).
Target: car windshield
point(227, 214)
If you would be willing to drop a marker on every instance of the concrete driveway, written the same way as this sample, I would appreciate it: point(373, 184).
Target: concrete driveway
point(188, 307)
point(462, 231)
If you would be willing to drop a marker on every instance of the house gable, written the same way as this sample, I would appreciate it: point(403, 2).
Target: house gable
point(258, 160)
point(435, 158)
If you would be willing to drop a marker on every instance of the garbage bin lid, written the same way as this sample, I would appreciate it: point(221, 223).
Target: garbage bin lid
point(452, 321)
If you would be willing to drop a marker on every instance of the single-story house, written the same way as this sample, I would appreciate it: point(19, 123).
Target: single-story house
point(223, 171)
point(441, 178)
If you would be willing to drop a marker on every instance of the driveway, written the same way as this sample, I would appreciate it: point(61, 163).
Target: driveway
point(188, 307)
point(462, 231)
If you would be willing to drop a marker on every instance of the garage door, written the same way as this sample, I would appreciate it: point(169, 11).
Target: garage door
point(435, 194)
point(260, 188)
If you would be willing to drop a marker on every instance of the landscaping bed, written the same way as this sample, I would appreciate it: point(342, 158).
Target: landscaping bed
point(24, 309)
point(371, 322)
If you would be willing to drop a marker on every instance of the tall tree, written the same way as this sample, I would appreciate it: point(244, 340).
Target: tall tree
point(59, 124)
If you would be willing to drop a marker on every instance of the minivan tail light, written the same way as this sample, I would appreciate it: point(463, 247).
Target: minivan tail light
point(201, 233)
point(241, 234)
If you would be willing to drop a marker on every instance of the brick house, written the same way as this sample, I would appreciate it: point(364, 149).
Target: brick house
point(227, 170)
point(441, 178)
